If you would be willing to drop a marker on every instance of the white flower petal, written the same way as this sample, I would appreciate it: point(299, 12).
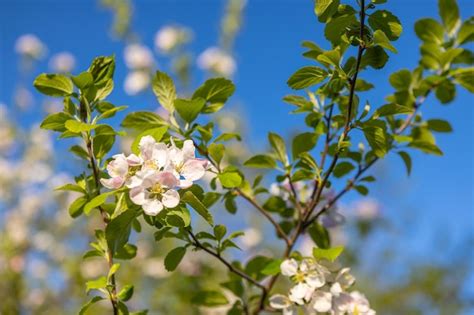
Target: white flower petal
point(188, 150)
point(167, 179)
point(112, 183)
point(152, 207)
point(315, 279)
point(138, 196)
point(134, 160)
point(289, 267)
point(160, 154)
point(193, 170)
point(322, 301)
point(300, 292)
point(146, 146)
point(170, 198)
point(279, 301)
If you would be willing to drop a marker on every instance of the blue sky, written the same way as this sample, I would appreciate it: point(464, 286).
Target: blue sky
point(438, 196)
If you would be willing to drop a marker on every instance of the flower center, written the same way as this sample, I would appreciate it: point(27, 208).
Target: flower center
point(300, 276)
point(156, 190)
point(151, 164)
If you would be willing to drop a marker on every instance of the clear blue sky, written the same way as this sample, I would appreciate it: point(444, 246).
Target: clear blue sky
point(440, 189)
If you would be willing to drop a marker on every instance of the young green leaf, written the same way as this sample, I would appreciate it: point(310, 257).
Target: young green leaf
point(53, 84)
point(189, 109)
point(330, 254)
point(165, 90)
point(306, 77)
point(174, 257)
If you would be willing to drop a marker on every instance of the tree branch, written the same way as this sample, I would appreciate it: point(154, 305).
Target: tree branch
point(231, 268)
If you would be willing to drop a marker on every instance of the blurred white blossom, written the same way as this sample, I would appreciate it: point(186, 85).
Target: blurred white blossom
point(29, 45)
point(218, 61)
point(62, 62)
point(169, 37)
point(136, 82)
point(138, 57)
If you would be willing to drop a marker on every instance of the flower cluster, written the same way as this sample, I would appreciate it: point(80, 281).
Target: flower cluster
point(320, 287)
point(154, 176)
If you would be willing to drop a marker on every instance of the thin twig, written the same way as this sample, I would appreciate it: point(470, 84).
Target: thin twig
point(231, 268)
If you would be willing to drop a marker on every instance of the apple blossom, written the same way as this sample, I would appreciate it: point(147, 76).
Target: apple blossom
point(184, 165)
point(156, 192)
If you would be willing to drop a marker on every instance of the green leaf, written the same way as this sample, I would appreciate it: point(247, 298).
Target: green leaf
point(426, 147)
point(465, 77)
point(226, 136)
point(325, 9)
point(320, 235)
point(272, 268)
point(429, 30)
point(401, 80)
point(99, 283)
point(126, 293)
point(156, 133)
point(174, 257)
point(376, 57)
point(118, 230)
point(382, 40)
point(391, 109)
point(77, 206)
point(115, 267)
point(55, 122)
point(103, 141)
point(278, 145)
point(342, 169)
point(79, 126)
point(230, 179)
point(164, 89)
point(362, 85)
point(189, 109)
point(102, 70)
point(303, 142)
point(445, 92)
point(386, 22)
point(439, 125)
point(337, 26)
point(220, 231)
point(86, 306)
point(306, 77)
point(209, 298)
point(407, 160)
point(127, 252)
point(70, 187)
point(216, 90)
point(330, 254)
point(361, 189)
point(466, 32)
point(216, 151)
point(143, 121)
point(261, 161)
point(197, 205)
point(179, 218)
point(449, 12)
point(377, 139)
point(83, 80)
point(96, 202)
point(54, 84)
